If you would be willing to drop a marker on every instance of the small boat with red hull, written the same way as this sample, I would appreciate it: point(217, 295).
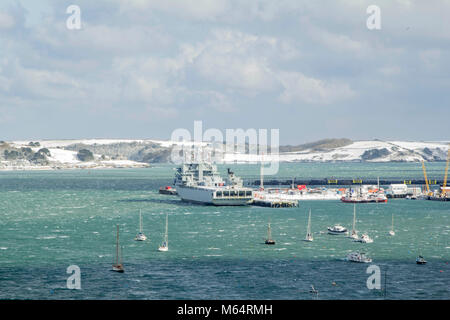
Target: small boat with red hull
point(168, 190)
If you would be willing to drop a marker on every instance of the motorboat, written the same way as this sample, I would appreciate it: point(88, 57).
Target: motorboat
point(337, 229)
point(358, 257)
point(420, 260)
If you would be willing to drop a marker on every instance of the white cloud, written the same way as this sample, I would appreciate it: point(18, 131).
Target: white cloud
point(249, 64)
point(390, 70)
point(176, 59)
point(299, 88)
point(6, 21)
point(196, 9)
point(430, 58)
point(338, 42)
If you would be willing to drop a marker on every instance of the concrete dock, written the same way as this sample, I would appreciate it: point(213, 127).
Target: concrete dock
point(275, 203)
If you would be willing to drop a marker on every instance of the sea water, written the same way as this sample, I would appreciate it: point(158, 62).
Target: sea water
point(51, 220)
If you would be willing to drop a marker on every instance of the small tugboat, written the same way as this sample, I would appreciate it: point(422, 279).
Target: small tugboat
point(118, 266)
point(269, 239)
point(420, 260)
point(358, 257)
point(337, 229)
point(140, 236)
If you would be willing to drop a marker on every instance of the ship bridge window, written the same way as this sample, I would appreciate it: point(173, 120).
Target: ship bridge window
point(248, 193)
point(233, 193)
point(226, 193)
point(241, 193)
point(218, 193)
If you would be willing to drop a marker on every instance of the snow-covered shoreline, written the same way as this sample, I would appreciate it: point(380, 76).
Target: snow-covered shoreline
point(139, 153)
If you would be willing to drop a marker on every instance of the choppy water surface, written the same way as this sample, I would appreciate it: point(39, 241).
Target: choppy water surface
point(50, 220)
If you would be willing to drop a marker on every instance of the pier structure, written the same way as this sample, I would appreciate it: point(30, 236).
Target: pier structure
point(342, 181)
point(275, 203)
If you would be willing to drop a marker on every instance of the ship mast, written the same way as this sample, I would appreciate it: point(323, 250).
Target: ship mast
point(261, 186)
point(117, 245)
point(308, 232)
point(166, 236)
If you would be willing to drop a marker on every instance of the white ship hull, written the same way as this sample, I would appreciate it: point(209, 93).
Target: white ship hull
point(206, 196)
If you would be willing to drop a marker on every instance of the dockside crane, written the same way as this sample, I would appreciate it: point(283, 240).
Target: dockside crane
point(444, 191)
point(429, 193)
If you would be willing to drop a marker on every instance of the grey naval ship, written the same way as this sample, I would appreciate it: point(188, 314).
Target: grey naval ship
point(201, 183)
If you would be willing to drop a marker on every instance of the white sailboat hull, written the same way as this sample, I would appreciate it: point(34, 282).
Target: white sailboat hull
point(140, 238)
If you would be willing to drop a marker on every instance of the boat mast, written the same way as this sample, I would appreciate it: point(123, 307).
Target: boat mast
point(117, 246)
point(308, 232)
point(166, 236)
point(354, 219)
point(140, 221)
point(269, 232)
point(392, 228)
point(261, 180)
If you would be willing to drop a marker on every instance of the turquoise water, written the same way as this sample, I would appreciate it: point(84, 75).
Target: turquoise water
point(53, 219)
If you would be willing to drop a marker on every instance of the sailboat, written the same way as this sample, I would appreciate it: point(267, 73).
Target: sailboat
point(118, 266)
point(140, 236)
point(354, 233)
point(309, 236)
point(269, 239)
point(392, 232)
point(165, 244)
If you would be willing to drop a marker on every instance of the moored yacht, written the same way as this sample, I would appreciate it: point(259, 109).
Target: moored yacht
point(364, 239)
point(420, 260)
point(358, 257)
point(140, 236)
point(354, 233)
point(309, 236)
point(117, 264)
point(392, 232)
point(165, 245)
point(337, 229)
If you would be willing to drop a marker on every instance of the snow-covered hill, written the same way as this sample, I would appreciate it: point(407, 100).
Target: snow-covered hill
point(374, 151)
point(110, 153)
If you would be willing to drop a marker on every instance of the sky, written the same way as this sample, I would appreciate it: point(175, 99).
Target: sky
point(142, 69)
